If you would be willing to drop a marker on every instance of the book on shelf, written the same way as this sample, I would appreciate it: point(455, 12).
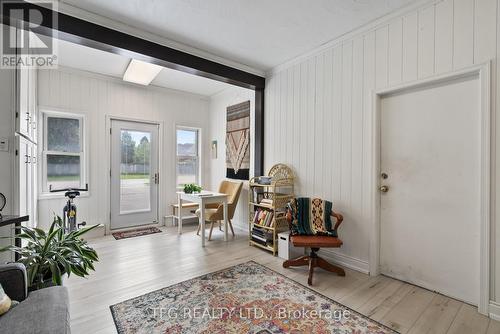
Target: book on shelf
point(261, 236)
point(260, 242)
point(267, 202)
point(263, 217)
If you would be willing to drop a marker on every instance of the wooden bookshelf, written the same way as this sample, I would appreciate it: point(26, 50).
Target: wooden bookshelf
point(271, 198)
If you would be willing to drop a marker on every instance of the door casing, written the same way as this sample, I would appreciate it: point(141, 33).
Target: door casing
point(484, 73)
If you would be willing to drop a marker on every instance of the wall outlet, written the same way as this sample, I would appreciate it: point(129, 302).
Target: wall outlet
point(4, 145)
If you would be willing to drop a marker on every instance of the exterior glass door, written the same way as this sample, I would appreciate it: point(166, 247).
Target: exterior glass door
point(134, 174)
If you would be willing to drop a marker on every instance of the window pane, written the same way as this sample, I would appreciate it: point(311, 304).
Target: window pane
point(63, 134)
point(187, 142)
point(63, 171)
point(135, 174)
point(187, 170)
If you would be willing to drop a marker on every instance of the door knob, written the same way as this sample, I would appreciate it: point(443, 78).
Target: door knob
point(384, 189)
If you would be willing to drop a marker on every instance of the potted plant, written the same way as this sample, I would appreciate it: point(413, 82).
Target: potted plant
point(192, 188)
point(48, 256)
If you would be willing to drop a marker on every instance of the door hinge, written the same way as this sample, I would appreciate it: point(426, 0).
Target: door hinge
point(110, 216)
point(110, 131)
point(110, 173)
point(17, 114)
point(17, 153)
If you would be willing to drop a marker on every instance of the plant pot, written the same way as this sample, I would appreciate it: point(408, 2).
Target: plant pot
point(43, 285)
point(47, 282)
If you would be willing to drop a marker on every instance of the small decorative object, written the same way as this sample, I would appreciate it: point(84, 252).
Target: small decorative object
point(5, 302)
point(48, 256)
point(3, 202)
point(264, 180)
point(192, 188)
point(214, 149)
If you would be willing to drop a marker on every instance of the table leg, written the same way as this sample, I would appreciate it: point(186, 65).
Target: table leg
point(202, 223)
point(225, 220)
point(179, 212)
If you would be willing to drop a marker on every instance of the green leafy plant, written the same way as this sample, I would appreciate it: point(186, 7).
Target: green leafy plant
point(192, 188)
point(48, 256)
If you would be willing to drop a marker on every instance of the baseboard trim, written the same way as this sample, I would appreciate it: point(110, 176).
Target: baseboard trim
point(337, 258)
point(494, 311)
point(346, 261)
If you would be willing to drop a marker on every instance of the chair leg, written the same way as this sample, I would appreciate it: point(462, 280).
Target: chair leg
point(323, 264)
point(312, 265)
point(298, 262)
point(211, 229)
point(313, 260)
point(220, 226)
point(199, 228)
point(231, 226)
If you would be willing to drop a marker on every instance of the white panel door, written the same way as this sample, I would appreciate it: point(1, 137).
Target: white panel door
point(134, 174)
point(430, 153)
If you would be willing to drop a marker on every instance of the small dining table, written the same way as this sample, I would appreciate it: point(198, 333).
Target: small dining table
point(202, 199)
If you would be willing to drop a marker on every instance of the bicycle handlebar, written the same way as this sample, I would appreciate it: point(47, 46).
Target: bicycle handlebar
point(68, 189)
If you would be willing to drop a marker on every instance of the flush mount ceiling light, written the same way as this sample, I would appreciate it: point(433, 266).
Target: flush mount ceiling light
point(140, 72)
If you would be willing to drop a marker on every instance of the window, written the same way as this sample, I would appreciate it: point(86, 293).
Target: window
point(63, 151)
point(188, 161)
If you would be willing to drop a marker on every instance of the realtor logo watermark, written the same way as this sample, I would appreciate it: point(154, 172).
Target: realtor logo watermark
point(21, 44)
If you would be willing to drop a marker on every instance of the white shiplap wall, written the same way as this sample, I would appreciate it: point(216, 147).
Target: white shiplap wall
point(317, 107)
point(98, 96)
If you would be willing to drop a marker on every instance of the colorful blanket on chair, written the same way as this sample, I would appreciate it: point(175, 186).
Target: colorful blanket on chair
point(311, 216)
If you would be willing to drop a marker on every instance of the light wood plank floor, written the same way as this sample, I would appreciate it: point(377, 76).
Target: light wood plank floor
point(132, 267)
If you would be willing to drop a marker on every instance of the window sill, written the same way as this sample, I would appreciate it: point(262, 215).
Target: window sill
point(49, 196)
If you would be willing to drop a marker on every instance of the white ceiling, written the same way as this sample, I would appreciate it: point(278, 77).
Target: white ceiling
point(258, 33)
point(97, 61)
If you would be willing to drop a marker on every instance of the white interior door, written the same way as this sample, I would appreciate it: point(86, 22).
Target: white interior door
point(430, 151)
point(134, 174)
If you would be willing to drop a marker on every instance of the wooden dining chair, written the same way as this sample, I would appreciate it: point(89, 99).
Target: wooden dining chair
point(315, 242)
point(214, 213)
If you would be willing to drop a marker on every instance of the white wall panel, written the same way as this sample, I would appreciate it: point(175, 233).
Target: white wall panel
point(426, 33)
point(463, 33)
point(437, 38)
point(395, 51)
point(410, 47)
point(444, 36)
point(335, 127)
point(484, 30)
point(319, 137)
point(327, 125)
point(346, 127)
point(382, 55)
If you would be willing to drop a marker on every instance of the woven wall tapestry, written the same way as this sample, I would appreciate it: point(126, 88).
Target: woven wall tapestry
point(238, 141)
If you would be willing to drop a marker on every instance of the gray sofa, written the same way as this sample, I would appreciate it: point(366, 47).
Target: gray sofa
point(45, 311)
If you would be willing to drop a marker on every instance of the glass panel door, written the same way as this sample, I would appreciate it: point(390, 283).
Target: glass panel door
point(134, 174)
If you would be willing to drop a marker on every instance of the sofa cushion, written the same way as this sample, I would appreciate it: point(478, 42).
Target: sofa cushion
point(45, 311)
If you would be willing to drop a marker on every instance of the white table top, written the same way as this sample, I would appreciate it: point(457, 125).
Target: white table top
point(202, 194)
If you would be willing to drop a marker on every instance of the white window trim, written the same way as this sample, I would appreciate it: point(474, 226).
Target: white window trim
point(199, 155)
point(44, 193)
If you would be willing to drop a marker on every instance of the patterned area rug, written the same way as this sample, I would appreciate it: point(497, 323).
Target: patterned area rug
point(247, 298)
point(136, 233)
